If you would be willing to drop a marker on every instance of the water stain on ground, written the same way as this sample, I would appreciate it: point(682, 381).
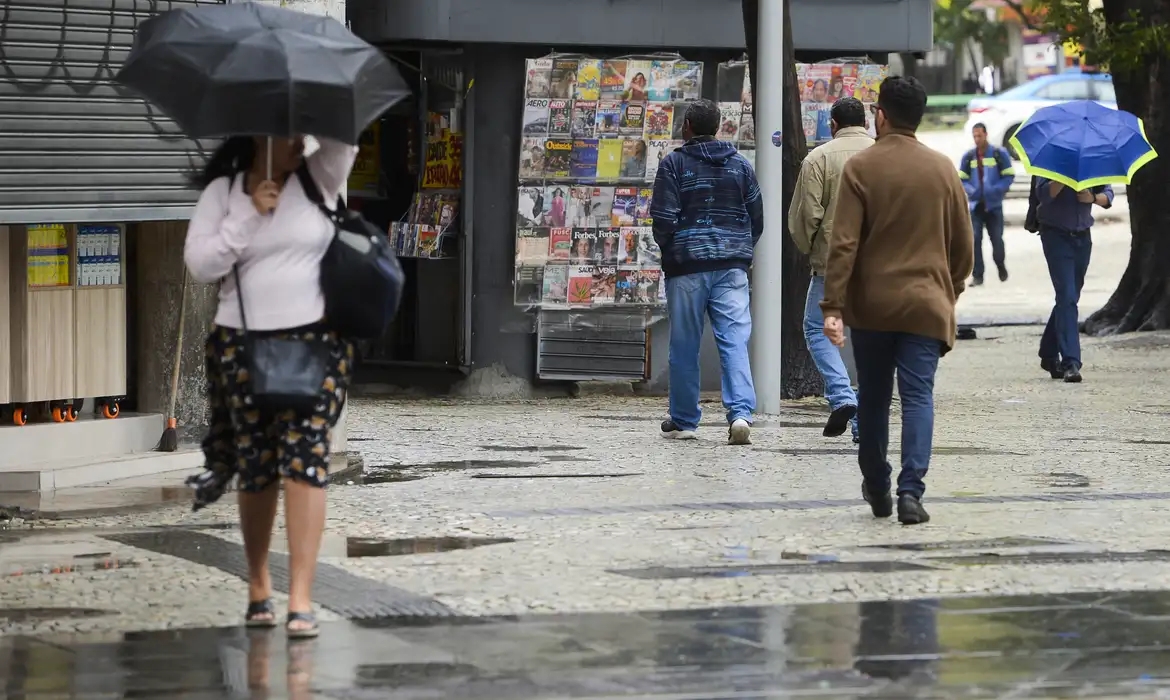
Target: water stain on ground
point(356, 547)
point(567, 458)
point(18, 615)
point(555, 476)
point(940, 450)
point(1063, 480)
point(399, 473)
point(530, 448)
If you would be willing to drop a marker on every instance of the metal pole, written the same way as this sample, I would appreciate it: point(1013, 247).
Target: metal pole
point(769, 258)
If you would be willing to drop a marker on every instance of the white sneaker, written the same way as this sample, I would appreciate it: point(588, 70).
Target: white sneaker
point(740, 433)
point(670, 431)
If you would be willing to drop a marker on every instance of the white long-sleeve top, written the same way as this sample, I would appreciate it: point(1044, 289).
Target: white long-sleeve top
point(279, 255)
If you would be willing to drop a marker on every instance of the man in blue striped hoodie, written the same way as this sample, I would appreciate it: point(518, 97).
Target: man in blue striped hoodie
point(708, 216)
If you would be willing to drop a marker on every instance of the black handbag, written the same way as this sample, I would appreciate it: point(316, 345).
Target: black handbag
point(283, 373)
point(361, 278)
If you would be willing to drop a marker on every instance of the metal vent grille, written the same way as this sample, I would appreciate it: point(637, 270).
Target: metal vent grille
point(74, 146)
point(591, 345)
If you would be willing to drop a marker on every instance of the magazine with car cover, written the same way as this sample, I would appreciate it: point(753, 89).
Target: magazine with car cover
point(609, 158)
point(556, 198)
point(602, 206)
point(564, 79)
point(584, 119)
point(628, 246)
point(531, 206)
point(625, 206)
point(529, 285)
point(604, 284)
point(580, 285)
point(662, 81)
point(609, 119)
point(613, 80)
point(633, 159)
point(556, 285)
point(637, 82)
point(649, 254)
point(580, 212)
point(678, 121)
point(532, 245)
point(659, 121)
point(532, 158)
point(729, 115)
point(608, 243)
point(642, 215)
point(688, 81)
point(584, 246)
point(588, 79)
point(633, 121)
point(558, 157)
point(560, 118)
point(747, 126)
point(560, 242)
point(584, 159)
point(538, 77)
point(535, 117)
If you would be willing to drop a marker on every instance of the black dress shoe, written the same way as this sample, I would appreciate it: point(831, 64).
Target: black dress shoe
point(976, 281)
point(1003, 275)
point(839, 419)
point(1072, 375)
point(1052, 367)
point(882, 506)
point(910, 510)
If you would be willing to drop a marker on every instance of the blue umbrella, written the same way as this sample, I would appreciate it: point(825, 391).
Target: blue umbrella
point(1083, 144)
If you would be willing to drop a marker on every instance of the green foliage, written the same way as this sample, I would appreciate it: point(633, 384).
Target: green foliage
point(1126, 43)
point(957, 21)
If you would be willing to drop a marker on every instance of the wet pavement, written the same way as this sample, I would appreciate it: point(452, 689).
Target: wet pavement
point(1036, 646)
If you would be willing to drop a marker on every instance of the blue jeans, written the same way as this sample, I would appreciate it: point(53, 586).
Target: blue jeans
point(1068, 260)
point(915, 359)
point(722, 295)
point(993, 220)
point(838, 390)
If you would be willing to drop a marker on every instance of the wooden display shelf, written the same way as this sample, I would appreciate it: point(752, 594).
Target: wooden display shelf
point(5, 322)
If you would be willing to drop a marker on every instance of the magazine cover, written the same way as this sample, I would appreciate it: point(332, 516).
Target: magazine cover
point(628, 246)
point(848, 80)
point(613, 80)
point(580, 211)
point(556, 199)
point(584, 246)
point(824, 123)
point(626, 286)
point(580, 284)
point(688, 81)
point(869, 82)
point(659, 121)
point(747, 126)
point(661, 81)
point(729, 81)
point(609, 241)
point(679, 118)
point(746, 95)
point(584, 159)
point(809, 115)
point(649, 254)
point(531, 246)
point(634, 159)
point(816, 84)
point(633, 121)
point(424, 209)
point(656, 152)
point(637, 82)
point(556, 285)
point(625, 206)
point(642, 215)
point(530, 207)
point(647, 285)
point(609, 158)
point(529, 285)
point(588, 79)
point(564, 78)
point(531, 158)
point(428, 241)
point(604, 284)
point(394, 233)
point(538, 77)
point(410, 241)
point(584, 119)
point(449, 212)
point(609, 118)
point(560, 118)
point(535, 117)
point(601, 206)
point(558, 156)
point(560, 243)
point(730, 115)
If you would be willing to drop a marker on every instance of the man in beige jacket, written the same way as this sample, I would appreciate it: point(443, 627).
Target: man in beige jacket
point(811, 223)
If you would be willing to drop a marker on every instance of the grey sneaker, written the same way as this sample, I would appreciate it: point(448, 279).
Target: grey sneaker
point(739, 433)
point(671, 431)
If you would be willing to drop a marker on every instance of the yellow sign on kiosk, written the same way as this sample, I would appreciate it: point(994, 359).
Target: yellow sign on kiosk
point(48, 256)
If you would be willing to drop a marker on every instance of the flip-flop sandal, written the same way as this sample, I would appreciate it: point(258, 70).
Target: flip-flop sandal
point(304, 632)
point(253, 619)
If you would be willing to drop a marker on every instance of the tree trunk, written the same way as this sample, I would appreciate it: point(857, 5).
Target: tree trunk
point(1141, 301)
point(800, 377)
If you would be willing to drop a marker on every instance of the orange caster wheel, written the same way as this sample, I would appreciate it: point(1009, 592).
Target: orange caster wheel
point(70, 413)
point(111, 410)
point(58, 413)
point(19, 416)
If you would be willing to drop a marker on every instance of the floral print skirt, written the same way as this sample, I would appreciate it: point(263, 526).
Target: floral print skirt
point(259, 447)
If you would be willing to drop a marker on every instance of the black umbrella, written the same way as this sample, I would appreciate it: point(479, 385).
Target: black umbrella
point(253, 69)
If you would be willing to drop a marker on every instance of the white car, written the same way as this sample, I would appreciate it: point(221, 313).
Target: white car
point(1002, 114)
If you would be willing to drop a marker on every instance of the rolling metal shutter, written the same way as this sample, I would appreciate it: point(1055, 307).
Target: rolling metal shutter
point(73, 146)
point(592, 344)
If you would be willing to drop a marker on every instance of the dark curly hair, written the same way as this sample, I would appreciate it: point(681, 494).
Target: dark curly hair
point(704, 117)
point(903, 100)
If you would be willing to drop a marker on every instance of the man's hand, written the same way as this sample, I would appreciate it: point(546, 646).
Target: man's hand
point(835, 331)
point(1086, 197)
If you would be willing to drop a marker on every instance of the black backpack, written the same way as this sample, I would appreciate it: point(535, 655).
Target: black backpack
point(361, 278)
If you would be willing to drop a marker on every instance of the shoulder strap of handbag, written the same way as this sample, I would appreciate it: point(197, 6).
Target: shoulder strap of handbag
point(240, 298)
point(314, 193)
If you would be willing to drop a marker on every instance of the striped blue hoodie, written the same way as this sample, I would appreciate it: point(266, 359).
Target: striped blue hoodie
point(707, 210)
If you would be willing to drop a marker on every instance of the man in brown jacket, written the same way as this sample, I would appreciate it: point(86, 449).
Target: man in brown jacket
point(902, 249)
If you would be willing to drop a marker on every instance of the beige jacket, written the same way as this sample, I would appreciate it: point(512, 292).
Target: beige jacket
point(811, 216)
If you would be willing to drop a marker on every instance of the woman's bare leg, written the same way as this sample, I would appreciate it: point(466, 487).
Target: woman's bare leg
point(304, 515)
point(257, 513)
